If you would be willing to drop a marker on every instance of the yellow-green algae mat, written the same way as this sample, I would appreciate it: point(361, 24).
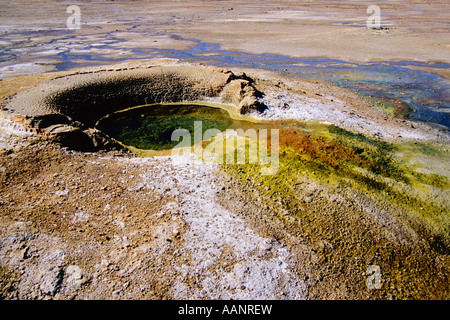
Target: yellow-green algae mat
point(408, 180)
point(330, 180)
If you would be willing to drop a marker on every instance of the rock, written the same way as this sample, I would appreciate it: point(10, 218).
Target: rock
point(75, 278)
point(101, 141)
point(235, 90)
point(241, 75)
point(265, 245)
point(45, 121)
point(249, 104)
point(244, 95)
point(62, 193)
point(117, 293)
point(51, 279)
point(57, 129)
point(71, 137)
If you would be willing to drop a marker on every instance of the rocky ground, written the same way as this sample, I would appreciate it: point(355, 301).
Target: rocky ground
point(109, 225)
point(77, 225)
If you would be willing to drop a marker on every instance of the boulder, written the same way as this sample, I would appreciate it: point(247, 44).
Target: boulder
point(235, 91)
point(243, 94)
point(102, 141)
point(40, 122)
point(250, 103)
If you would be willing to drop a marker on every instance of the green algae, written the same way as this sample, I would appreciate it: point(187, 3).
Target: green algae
point(374, 154)
point(424, 148)
point(324, 172)
point(150, 127)
point(338, 157)
point(391, 107)
point(315, 203)
point(387, 109)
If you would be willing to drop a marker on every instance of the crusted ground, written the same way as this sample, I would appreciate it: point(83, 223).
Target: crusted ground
point(36, 38)
point(110, 225)
point(93, 226)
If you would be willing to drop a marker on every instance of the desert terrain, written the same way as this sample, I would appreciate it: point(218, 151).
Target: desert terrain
point(363, 171)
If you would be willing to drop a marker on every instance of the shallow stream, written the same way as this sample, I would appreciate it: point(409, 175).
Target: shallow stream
point(410, 82)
